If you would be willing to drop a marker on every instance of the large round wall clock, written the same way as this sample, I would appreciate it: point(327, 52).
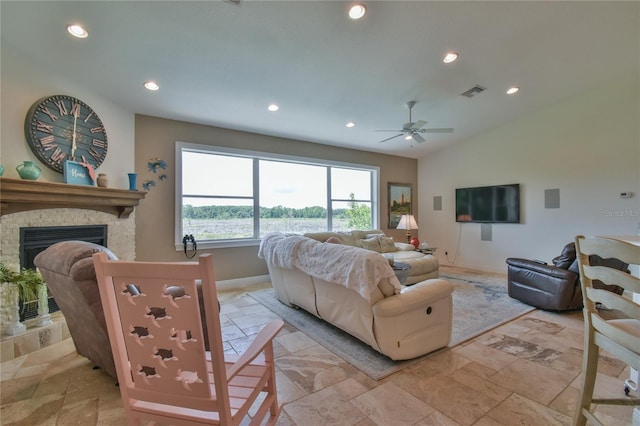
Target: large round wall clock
point(60, 128)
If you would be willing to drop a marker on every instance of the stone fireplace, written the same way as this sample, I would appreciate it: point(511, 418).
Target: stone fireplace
point(25, 204)
point(120, 232)
point(120, 235)
point(42, 205)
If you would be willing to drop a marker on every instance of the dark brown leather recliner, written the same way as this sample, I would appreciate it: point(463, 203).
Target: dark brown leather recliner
point(553, 287)
point(67, 268)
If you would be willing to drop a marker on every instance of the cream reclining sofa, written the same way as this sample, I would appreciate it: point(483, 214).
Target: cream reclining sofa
point(423, 266)
point(357, 291)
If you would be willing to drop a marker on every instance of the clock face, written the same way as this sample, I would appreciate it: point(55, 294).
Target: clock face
point(60, 128)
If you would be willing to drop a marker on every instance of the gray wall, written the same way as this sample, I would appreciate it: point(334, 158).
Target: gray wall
point(156, 137)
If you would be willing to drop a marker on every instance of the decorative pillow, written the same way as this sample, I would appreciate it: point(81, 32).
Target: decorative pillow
point(375, 235)
point(371, 244)
point(359, 235)
point(347, 239)
point(333, 240)
point(386, 244)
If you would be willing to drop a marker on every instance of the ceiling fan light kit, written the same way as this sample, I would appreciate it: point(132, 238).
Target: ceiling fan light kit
point(416, 137)
point(411, 130)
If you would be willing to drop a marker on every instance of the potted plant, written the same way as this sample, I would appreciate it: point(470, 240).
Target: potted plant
point(27, 282)
point(10, 305)
point(25, 286)
point(6, 275)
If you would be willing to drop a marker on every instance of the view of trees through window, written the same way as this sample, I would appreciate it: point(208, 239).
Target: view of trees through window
point(228, 197)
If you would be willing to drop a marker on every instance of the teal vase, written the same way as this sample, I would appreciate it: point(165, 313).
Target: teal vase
point(132, 181)
point(1, 170)
point(28, 170)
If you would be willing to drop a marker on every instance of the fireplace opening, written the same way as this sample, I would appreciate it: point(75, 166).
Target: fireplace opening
point(33, 240)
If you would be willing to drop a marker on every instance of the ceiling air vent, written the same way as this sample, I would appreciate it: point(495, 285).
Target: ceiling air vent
point(473, 91)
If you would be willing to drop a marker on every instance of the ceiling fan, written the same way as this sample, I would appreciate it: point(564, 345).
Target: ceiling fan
point(412, 130)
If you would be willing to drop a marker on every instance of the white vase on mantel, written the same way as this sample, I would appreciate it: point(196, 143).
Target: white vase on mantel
point(11, 310)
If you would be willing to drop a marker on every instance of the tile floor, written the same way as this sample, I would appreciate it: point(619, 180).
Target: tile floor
point(525, 372)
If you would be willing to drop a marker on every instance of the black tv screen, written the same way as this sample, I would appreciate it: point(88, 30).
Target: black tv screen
point(488, 204)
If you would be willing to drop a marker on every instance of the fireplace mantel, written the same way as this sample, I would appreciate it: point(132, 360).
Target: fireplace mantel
point(17, 195)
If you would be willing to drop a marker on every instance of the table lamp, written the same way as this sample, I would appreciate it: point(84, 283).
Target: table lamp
point(408, 222)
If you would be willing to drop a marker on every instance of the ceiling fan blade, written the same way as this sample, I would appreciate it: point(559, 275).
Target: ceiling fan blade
point(418, 124)
point(437, 130)
point(413, 129)
point(392, 137)
point(416, 137)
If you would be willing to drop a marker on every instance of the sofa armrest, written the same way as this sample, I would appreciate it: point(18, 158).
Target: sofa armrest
point(404, 246)
point(535, 267)
point(414, 297)
point(416, 321)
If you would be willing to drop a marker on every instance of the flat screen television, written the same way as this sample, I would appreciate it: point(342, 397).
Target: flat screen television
point(488, 204)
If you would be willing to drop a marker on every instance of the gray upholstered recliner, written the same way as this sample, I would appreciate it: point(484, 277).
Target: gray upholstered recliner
point(67, 268)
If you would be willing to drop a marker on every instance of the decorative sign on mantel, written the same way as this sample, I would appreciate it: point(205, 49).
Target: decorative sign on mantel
point(78, 173)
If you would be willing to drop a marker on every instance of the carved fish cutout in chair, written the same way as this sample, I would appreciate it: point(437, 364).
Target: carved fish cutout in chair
point(164, 371)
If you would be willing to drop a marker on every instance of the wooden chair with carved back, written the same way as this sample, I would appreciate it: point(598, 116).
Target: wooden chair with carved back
point(166, 376)
point(619, 334)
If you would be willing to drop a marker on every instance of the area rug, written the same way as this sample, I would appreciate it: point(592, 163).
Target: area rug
point(480, 303)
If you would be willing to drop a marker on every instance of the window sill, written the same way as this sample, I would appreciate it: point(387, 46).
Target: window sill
point(219, 244)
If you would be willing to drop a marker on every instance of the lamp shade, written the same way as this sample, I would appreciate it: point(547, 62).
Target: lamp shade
point(407, 221)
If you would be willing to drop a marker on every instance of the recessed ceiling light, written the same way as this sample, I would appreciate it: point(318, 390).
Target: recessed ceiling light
point(151, 85)
point(513, 90)
point(450, 57)
point(77, 31)
point(273, 107)
point(357, 11)
point(350, 124)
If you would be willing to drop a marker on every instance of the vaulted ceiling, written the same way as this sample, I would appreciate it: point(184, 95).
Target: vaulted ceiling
point(221, 64)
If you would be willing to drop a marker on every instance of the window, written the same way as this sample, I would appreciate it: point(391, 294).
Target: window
point(227, 197)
